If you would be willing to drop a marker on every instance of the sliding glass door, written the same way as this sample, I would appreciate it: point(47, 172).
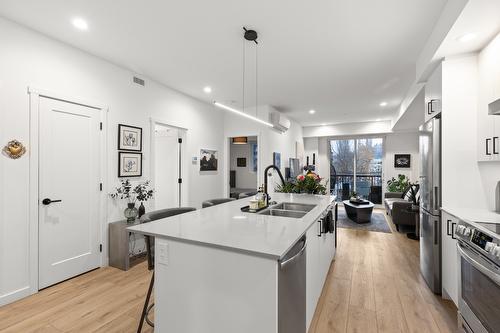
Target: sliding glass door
point(356, 166)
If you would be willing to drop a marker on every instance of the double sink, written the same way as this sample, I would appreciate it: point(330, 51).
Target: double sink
point(288, 209)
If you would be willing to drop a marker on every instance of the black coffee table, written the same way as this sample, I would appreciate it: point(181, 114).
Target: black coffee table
point(359, 213)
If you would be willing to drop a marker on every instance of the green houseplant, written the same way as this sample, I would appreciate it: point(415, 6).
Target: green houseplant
point(399, 184)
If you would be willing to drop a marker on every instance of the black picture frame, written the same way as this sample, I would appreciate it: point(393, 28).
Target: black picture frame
point(241, 162)
point(131, 130)
point(122, 172)
point(402, 161)
point(208, 160)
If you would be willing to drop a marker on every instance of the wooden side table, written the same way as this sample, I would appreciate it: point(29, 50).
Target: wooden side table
point(119, 244)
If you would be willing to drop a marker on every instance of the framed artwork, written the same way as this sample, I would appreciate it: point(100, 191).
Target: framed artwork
point(129, 164)
point(241, 162)
point(277, 159)
point(208, 160)
point(255, 154)
point(129, 138)
point(402, 160)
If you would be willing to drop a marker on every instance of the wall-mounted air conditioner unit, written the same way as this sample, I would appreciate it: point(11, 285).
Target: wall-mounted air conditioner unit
point(279, 121)
point(494, 107)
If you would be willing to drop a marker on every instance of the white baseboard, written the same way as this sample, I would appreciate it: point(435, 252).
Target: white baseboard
point(15, 295)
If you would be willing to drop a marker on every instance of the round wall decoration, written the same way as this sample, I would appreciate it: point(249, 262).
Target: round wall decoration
point(14, 149)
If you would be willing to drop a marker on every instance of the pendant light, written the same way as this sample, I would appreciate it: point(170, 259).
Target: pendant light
point(240, 140)
point(249, 35)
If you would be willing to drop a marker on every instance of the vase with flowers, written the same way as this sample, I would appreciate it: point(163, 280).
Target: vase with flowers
point(310, 183)
point(126, 191)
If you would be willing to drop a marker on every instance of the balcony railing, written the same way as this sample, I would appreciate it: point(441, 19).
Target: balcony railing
point(368, 186)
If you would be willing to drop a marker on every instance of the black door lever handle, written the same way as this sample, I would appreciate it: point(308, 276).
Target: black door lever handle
point(47, 201)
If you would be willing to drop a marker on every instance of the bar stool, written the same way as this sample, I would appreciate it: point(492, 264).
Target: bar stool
point(148, 217)
point(214, 202)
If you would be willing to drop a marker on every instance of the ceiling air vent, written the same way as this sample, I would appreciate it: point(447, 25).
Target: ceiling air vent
point(139, 81)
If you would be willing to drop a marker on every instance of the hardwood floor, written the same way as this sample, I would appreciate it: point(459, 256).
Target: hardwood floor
point(374, 285)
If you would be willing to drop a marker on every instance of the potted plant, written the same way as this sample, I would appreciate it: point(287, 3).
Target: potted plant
point(399, 184)
point(131, 194)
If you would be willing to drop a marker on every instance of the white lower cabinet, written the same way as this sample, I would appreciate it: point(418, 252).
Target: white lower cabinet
point(320, 253)
point(449, 257)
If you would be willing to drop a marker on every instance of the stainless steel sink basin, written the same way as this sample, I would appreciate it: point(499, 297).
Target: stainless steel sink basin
point(283, 213)
point(294, 206)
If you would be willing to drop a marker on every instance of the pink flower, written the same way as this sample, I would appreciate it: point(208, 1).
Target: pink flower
point(301, 177)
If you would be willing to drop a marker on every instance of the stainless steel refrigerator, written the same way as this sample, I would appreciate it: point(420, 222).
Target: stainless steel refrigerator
point(430, 203)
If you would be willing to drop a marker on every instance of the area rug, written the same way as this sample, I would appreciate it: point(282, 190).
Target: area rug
point(378, 222)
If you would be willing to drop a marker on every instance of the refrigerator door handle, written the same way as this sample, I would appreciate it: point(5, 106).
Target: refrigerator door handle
point(436, 198)
point(436, 231)
point(488, 146)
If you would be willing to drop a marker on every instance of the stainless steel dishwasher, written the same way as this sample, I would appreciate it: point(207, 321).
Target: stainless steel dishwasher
point(292, 289)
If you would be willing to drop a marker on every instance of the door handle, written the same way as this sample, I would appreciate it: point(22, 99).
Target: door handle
point(487, 146)
point(436, 232)
point(429, 108)
point(495, 139)
point(448, 227)
point(453, 225)
point(47, 201)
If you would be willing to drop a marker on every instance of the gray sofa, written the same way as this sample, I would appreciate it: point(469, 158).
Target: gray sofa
point(398, 206)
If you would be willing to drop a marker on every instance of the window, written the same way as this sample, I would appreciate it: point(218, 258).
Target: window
point(356, 166)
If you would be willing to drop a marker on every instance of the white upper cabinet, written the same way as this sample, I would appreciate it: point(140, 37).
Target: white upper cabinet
point(488, 131)
point(433, 93)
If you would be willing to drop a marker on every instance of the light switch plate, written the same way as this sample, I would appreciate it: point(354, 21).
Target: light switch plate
point(162, 252)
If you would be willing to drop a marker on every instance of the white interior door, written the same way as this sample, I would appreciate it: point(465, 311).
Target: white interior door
point(166, 166)
point(69, 170)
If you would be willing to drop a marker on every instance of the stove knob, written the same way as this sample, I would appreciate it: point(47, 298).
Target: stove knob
point(460, 229)
point(467, 231)
point(489, 247)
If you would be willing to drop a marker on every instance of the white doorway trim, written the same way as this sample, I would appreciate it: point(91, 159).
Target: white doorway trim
point(34, 99)
point(227, 161)
point(184, 161)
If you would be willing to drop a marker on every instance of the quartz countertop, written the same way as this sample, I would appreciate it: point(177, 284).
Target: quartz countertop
point(225, 226)
point(473, 214)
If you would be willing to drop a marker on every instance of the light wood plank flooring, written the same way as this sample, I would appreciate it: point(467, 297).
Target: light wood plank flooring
point(373, 285)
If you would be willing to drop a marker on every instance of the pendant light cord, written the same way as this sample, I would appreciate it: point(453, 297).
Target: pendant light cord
point(244, 65)
point(256, 82)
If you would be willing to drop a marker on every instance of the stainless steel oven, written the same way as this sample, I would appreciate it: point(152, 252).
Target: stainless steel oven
point(479, 277)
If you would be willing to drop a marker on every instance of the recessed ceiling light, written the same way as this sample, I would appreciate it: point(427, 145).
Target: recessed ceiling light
point(207, 90)
point(466, 38)
point(378, 119)
point(323, 124)
point(312, 111)
point(383, 104)
point(80, 24)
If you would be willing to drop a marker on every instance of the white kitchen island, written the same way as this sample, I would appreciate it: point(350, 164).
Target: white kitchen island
point(218, 269)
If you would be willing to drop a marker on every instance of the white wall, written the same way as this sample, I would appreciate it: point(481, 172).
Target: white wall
point(269, 140)
point(401, 143)
point(246, 178)
point(30, 59)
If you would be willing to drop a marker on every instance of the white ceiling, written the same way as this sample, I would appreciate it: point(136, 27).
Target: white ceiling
point(339, 57)
point(479, 17)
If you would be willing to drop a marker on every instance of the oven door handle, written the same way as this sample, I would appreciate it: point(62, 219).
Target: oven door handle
point(488, 272)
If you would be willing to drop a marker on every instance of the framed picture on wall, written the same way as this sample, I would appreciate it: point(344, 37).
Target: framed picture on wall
point(129, 164)
point(129, 138)
point(241, 162)
point(277, 159)
point(402, 160)
point(208, 160)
